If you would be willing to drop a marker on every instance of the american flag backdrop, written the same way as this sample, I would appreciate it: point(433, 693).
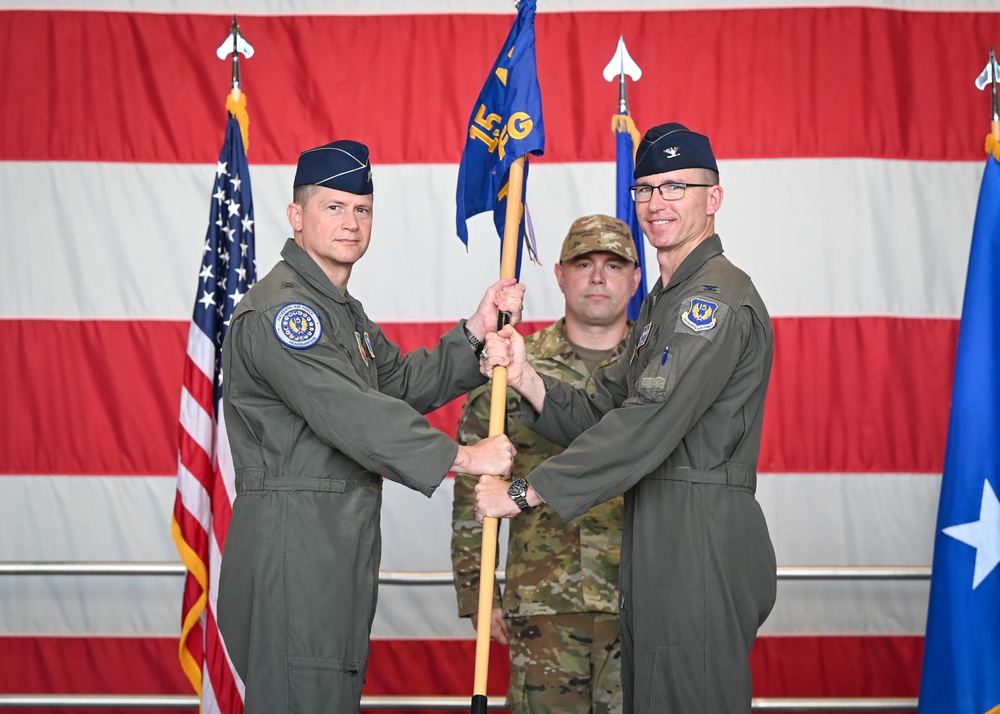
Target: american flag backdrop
point(205, 481)
point(850, 144)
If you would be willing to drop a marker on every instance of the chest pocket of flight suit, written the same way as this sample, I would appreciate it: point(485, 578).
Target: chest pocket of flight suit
point(656, 381)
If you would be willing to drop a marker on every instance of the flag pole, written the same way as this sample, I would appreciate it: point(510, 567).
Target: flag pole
point(505, 125)
point(626, 143)
point(961, 645)
point(995, 119)
point(498, 417)
point(205, 476)
point(235, 83)
point(236, 102)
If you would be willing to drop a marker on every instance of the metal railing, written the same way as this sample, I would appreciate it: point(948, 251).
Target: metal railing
point(412, 703)
point(790, 572)
point(124, 701)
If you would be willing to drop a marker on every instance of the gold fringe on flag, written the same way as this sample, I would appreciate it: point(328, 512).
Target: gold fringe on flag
point(238, 108)
point(197, 568)
point(993, 146)
point(623, 122)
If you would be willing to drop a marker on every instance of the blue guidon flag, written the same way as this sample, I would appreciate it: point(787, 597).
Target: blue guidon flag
point(506, 123)
point(626, 139)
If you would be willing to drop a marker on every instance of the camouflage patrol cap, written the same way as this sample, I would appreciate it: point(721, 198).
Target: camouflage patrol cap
point(599, 233)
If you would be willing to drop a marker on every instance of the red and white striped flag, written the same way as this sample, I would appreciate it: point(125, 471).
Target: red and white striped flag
point(205, 477)
point(848, 135)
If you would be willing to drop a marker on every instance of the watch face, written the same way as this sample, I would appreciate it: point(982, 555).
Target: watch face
point(518, 487)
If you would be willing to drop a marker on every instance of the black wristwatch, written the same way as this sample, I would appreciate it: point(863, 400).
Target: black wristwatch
point(477, 344)
point(518, 490)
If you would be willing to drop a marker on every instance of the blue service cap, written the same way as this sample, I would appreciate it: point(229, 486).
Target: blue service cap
point(669, 147)
point(342, 165)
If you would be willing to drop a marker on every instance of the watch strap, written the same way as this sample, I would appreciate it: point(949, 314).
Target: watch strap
point(477, 344)
point(521, 497)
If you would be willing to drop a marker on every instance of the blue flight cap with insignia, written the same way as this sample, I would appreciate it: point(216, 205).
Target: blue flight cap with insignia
point(342, 165)
point(670, 147)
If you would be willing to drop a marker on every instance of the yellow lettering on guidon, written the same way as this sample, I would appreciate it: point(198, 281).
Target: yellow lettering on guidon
point(502, 71)
point(518, 126)
point(486, 120)
point(502, 194)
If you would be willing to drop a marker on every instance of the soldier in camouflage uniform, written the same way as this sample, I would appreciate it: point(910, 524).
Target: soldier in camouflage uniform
point(559, 607)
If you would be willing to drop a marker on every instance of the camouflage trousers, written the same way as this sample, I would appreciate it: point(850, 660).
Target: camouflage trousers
point(565, 664)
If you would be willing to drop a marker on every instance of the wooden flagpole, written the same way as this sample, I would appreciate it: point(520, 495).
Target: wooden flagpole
point(498, 418)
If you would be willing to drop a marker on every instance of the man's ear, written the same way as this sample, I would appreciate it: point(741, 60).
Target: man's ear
point(559, 276)
point(294, 213)
point(636, 277)
point(714, 199)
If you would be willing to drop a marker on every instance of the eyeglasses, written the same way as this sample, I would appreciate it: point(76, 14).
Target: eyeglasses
point(671, 191)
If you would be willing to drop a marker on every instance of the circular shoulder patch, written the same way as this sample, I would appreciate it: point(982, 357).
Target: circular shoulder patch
point(298, 326)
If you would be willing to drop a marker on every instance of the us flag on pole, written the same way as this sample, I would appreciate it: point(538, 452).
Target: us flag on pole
point(205, 479)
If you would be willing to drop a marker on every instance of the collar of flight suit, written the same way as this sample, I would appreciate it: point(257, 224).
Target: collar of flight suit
point(303, 264)
point(310, 272)
point(707, 249)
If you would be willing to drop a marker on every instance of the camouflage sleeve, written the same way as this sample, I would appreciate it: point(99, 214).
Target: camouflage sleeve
point(466, 534)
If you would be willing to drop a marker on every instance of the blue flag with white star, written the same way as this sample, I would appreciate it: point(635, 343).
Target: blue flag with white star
point(506, 123)
point(624, 203)
point(961, 672)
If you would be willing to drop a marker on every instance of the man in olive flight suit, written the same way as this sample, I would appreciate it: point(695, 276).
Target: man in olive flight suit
point(319, 407)
point(559, 609)
point(676, 427)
